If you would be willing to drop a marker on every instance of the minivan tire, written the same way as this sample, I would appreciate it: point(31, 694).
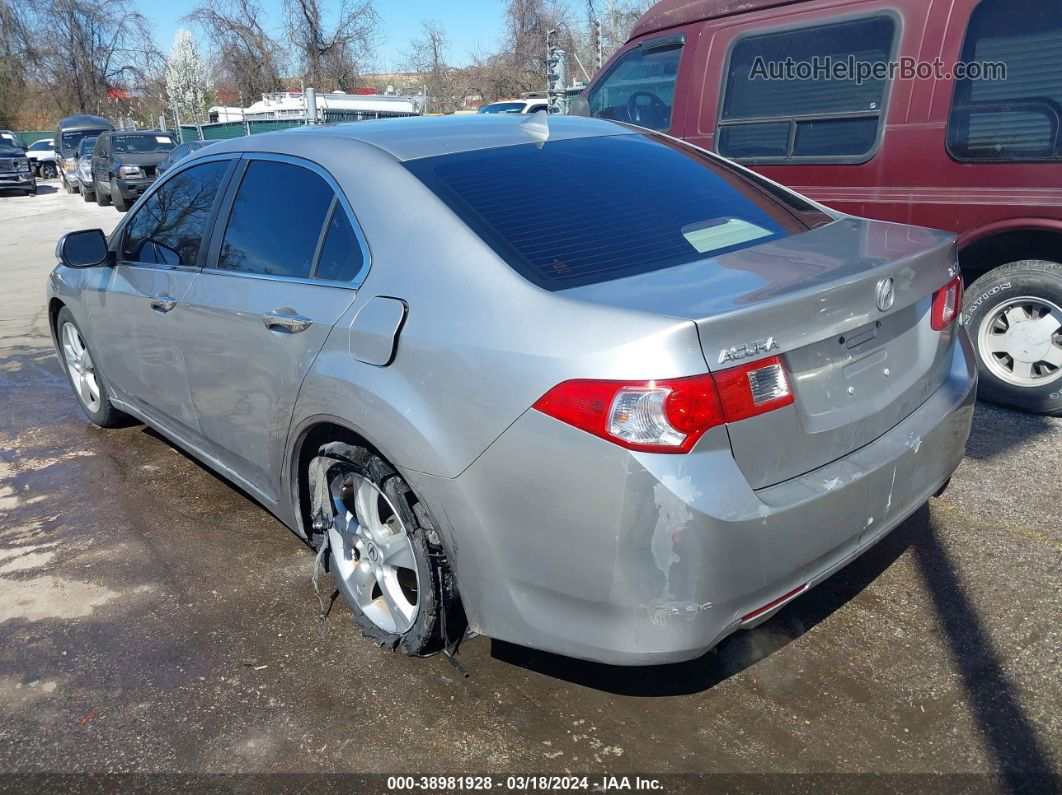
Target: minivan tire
point(105, 414)
point(339, 463)
point(1028, 284)
point(121, 204)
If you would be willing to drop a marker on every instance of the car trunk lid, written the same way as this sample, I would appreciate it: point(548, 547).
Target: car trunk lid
point(856, 370)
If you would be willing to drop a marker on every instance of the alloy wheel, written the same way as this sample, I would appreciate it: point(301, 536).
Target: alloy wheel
point(79, 365)
point(373, 554)
point(1020, 341)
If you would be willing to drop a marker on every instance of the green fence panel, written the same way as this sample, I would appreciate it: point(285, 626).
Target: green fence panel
point(189, 132)
point(274, 124)
point(29, 136)
point(223, 130)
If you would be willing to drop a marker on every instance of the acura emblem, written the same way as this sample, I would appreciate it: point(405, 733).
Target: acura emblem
point(886, 294)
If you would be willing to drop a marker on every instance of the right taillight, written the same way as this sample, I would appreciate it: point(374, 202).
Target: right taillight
point(668, 416)
point(947, 304)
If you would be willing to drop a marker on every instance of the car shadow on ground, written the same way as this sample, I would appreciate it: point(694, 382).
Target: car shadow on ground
point(997, 430)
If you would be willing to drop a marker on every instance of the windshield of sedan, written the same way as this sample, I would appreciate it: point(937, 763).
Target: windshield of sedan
point(640, 86)
point(41, 146)
point(586, 210)
point(141, 143)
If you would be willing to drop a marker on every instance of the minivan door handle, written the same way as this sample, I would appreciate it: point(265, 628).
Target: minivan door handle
point(286, 321)
point(162, 303)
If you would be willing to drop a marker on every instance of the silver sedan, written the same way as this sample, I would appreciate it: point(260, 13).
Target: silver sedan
point(565, 382)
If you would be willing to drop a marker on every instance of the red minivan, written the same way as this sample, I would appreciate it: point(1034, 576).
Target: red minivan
point(903, 135)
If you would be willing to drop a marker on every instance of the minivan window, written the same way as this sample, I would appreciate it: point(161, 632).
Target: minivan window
point(276, 220)
point(640, 87)
point(766, 116)
point(587, 210)
point(168, 227)
point(1016, 118)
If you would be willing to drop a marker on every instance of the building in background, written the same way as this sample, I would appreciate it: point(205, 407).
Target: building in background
point(281, 105)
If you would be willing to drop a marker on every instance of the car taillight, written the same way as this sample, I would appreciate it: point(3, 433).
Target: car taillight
point(668, 416)
point(947, 304)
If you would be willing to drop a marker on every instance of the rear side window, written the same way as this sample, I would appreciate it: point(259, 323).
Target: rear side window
point(341, 256)
point(575, 212)
point(1016, 118)
point(276, 220)
point(168, 227)
point(640, 86)
point(771, 112)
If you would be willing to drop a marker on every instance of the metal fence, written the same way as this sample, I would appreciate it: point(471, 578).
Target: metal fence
point(30, 136)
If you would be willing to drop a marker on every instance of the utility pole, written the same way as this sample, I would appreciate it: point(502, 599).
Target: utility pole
point(556, 75)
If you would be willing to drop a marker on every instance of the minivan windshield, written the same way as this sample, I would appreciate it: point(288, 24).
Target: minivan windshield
point(640, 86)
point(71, 139)
point(573, 212)
point(141, 143)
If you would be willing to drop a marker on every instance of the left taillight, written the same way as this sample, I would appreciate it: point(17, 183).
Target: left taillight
point(668, 416)
point(947, 304)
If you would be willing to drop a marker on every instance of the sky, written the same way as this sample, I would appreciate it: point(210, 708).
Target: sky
point(469, 24)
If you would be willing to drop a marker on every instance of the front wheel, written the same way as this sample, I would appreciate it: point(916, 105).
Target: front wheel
point(121, 204)
point(67, 186)
point(88, 195)
point(1014, 316)
point(385, 555)
point(84, 377)
point(103, 199)
point(48, 170)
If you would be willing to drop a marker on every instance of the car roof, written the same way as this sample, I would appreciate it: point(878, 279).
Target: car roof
point(671, 13)
point(429, 136)
point(81, 122)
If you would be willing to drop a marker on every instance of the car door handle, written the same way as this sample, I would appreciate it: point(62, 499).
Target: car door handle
point(162, 303)
point(288, 322)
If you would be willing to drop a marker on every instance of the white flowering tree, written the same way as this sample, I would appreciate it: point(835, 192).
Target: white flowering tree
point(186, 78)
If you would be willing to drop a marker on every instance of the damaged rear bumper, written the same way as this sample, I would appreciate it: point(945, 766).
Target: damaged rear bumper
point(564, 542)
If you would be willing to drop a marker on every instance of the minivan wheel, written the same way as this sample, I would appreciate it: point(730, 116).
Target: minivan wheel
point(83, 374)
point(1014, 316)
point(384, 552)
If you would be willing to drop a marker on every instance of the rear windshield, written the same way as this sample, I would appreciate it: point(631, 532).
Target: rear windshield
point(587, 210)
point(149, 142)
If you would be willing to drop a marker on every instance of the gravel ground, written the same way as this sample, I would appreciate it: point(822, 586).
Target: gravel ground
point(155, 619)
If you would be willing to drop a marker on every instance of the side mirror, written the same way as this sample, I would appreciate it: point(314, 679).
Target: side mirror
point(84, 249)
point(578, 106)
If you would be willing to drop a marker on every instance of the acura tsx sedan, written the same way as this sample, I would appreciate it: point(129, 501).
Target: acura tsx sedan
point(565, 382)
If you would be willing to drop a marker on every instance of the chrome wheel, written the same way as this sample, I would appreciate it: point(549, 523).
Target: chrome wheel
point(79, 365)
point(1021, 341)
point(372, 553)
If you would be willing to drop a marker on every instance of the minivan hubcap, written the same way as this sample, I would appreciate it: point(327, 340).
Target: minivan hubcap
point(373, 554)
point(1021, 341)
point(79, 364)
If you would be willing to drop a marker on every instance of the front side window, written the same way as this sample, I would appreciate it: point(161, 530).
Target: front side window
point(640, 87)
point(1017, 117)
point(587, 210)
point(276, 220)
point(774, 109)
point(168, 228)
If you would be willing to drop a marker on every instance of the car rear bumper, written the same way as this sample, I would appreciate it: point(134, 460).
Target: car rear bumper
point(570, 544)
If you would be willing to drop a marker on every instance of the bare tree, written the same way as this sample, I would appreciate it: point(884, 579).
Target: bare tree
point(248, 59)
point(446, 86)
point(15, 56)
point(332, 58)
point(90, 50)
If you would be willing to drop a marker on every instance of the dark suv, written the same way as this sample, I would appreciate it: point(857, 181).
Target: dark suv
point(124, 164)
point(15, 170)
